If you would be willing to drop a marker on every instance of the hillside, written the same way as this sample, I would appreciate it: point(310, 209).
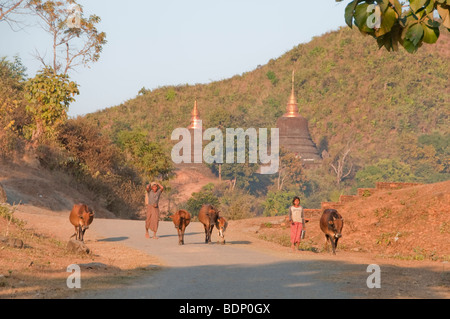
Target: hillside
point(406, 224)
point(411, 264)
point(54, 191)
point(389, 109)
point(350, 92)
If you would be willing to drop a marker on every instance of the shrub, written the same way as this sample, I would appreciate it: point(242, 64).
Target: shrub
point(204, 196)
point(385, 170)
point(272, 77)
point(239, 205)
point(278, 203)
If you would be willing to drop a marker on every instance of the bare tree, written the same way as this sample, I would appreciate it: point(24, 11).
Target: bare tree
point(9, 6)
point(291, 171)
point(340, 164)
point(76, 40)
point(10, 11)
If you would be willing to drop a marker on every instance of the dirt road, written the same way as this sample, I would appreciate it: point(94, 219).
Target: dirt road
point(237, 269)
point(246, 267)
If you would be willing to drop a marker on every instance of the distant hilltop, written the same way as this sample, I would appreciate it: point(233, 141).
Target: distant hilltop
point(345, 87)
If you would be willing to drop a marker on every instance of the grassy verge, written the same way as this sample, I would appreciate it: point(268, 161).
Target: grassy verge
point(39, 269)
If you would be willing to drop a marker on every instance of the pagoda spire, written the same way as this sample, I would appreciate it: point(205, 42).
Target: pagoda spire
point(195, 117)
point(292, 106)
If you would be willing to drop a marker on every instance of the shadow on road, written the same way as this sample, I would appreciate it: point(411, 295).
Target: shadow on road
point(176, 235)
point(312, 279)
point(114, 239)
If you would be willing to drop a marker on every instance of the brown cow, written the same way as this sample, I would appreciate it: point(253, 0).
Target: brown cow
point(221, 225)
point(181, 220)
point(331, 223)
point(81, 217)
point(208, 216)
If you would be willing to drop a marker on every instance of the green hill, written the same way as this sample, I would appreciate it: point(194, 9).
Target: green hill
point(346, 88)
point(381, 103)
point(388, 111)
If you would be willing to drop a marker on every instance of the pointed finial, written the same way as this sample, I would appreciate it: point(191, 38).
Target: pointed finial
point(195, 110)
point(292, 108)
point(195, 117)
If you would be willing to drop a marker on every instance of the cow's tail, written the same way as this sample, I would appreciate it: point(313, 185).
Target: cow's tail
point(181, 222)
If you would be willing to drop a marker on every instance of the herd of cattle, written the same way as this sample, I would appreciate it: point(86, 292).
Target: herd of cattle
point(331, 223)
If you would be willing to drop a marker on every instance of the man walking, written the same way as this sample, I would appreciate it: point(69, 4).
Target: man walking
point(153, 194)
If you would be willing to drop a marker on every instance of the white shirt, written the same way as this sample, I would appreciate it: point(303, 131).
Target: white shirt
point(296, 214)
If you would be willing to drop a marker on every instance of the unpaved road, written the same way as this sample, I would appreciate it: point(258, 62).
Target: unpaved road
point(237, 269)
point(247, 267)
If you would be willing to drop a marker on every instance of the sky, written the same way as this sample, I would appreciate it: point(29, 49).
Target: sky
point(175, 42)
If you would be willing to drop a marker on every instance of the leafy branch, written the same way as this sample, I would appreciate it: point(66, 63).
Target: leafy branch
point(392, 22)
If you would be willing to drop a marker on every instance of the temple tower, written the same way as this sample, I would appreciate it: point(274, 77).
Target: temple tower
point(196, 130)
point(294, 133)
point(195, 118)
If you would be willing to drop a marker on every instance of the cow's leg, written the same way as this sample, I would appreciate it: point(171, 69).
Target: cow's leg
point(333, 245)
point(78, 233)
point(183, 228)
point(82, 235)
point(210, 232)
point(206, 234)
point(179, 237)
point(327, 238)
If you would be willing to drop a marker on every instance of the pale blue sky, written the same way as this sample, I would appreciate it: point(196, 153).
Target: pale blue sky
point(171, 42)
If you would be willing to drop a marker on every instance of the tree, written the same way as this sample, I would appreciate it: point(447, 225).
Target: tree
point(12, 78)
point(278, 203)
point(290, 172)
point(242, 175)
point(428, 155)
point(88, 151)
point(147, 156)
point(391, 22)
point(204, 196)
point(76, 40)
point(441, 146)
point(49, 96)
point(272, 77)
point(8, 7)
point(385, 170)
point(13, 117)
point(238, 205)
point(340, 165)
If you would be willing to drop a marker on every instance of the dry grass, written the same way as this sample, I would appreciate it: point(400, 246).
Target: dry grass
point(39, 270)
point(406, 224)
point(405, 231)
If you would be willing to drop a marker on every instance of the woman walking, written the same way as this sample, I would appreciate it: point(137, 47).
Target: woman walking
point(152, 195)
point(297, 221)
